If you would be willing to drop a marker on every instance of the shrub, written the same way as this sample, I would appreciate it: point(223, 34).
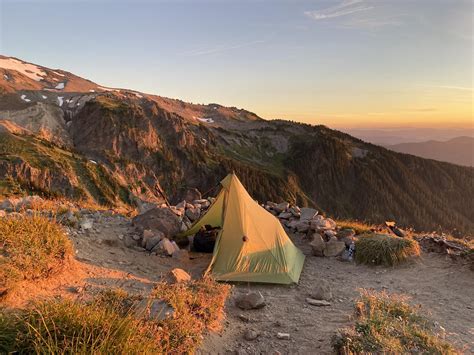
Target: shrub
point(110, 325)
point(388, 324)
point(383, 249)
point(31, 247)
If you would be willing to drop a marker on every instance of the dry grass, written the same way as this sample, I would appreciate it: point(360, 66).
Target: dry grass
point(358, 227)
point(388, 324)
point(31, 247)
point(199, 306)
point(384, 249)
point(110, 325)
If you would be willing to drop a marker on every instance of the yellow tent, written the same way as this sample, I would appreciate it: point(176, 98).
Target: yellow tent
point(252, 245)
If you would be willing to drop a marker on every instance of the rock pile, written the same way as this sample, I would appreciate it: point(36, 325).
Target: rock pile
point(157, 226)
point(326, 239)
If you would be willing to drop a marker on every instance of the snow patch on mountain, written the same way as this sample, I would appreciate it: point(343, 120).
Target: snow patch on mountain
point(30, 70)
point(60, 86)
point(60, 100)
point(23, 97)
point(206, 120)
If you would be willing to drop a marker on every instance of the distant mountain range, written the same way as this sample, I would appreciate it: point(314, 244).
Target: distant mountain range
point(62, 135)
point(393, 136)
point(459, 150)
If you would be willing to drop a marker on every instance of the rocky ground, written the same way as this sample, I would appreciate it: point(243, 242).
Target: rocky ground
point(443, 289)
point(110, 253)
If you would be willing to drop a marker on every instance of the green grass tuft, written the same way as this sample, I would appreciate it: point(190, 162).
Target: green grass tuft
point(384, 249)
point(31, 247)
point(387, 324)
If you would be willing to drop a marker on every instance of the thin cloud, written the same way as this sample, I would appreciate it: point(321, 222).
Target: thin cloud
point(221, 48)
point(343, 9)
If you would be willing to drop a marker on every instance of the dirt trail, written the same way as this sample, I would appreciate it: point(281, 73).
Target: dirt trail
point(442, 287)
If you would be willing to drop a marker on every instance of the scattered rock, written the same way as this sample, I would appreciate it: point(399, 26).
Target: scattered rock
point(252, 300)
point(178, 275)
point(86, 224)
point(318, 303)
point(2, 213)
point(250, 335)
point(168, 247)
point(321, 291)
point(283, 336)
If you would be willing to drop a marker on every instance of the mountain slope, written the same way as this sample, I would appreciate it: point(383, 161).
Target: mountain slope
point(459, 150)
point(149, 147)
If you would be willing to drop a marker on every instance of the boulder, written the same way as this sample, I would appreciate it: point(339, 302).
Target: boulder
point(159, 219)
point(193, 213)
point(321, 291)
point(308, 213)
point(178, 275)
point(251, 300)
point(317, 245)
point(334, 248)
point(192, 194)
point(2, 213)
point(154, 310)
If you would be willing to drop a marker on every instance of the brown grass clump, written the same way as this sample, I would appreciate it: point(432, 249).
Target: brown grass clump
point(384, 249)
point(357, 226)
point(199, 306)
point(387, 324)
point(110, 324)
point(31, 247)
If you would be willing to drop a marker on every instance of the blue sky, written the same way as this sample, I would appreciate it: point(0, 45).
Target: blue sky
point(349, 63)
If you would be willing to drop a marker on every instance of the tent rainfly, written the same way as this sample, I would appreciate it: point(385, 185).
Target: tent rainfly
point(252, 246)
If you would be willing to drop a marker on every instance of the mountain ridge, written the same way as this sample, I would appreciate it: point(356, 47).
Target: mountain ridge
point(118, 146)
point(458, 150)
